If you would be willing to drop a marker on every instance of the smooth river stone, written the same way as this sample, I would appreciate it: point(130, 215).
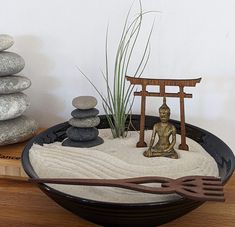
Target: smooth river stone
point(85, 122)
point(6, 41)
point(86, 144)
point(13, 105)
point(77, 113)
point(17, 130)
point(82, 134)
point(84, 102)
point(10, 63)
point(13, 84)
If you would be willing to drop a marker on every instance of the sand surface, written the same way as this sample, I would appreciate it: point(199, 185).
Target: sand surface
point(117, 158)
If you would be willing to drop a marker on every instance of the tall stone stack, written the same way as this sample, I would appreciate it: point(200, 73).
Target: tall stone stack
point(14, 126)
point(83, 131)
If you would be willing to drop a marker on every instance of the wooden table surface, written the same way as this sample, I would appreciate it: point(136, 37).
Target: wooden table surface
point(23, 204)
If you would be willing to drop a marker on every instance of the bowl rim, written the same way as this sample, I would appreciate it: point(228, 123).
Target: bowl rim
point(28, 168)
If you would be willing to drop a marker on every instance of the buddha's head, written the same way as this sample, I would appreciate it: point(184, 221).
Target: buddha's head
point(164, 112)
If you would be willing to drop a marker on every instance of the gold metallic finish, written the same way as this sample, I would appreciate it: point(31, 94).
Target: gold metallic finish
point(165, 131)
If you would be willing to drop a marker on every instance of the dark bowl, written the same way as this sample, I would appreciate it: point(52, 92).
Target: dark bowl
point(140, 214)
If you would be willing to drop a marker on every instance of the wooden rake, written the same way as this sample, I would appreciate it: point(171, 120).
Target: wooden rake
point(201, 188)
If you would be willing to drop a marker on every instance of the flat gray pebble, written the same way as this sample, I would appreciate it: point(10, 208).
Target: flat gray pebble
point(84, 102)
point(85, 122)
point(6, 41)
point(87, 144)
point(10, 63)
point(17, 130)
point(13, 84)
point(13, 105)
point(82, 134)
point(77, 113)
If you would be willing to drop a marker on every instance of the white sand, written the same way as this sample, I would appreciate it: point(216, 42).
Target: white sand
point(117, 158)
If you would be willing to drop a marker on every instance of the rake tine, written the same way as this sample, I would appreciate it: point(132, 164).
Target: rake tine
point(215, 183)
point(211, 178)
point(213, 187)
point(214, 198)
point(209, 192)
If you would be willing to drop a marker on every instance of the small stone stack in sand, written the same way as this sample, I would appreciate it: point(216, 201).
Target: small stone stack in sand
point(14, 127)
point(83, 131)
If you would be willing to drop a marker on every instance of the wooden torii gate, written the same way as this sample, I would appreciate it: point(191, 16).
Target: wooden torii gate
point(162, 83)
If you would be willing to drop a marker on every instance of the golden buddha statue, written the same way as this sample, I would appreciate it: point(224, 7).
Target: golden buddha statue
point(165, 130)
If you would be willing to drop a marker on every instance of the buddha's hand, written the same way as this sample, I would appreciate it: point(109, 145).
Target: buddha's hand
point(148, 153)
point(167, 150)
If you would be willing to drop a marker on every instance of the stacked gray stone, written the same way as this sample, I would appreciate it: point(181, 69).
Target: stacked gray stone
point(14, 126)
point(83, 131)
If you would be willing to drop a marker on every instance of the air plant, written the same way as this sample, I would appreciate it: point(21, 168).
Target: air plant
point(118, 102)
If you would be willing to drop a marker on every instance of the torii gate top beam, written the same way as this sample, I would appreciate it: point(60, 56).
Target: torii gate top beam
point(164, 82)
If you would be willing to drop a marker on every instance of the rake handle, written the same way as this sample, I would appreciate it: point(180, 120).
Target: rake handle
point(192, 187)
point(129, 183)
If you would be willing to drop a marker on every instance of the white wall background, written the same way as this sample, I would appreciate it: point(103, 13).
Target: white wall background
point(191, 38)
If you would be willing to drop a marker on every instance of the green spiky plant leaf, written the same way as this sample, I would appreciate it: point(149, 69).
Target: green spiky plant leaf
point(117, 102)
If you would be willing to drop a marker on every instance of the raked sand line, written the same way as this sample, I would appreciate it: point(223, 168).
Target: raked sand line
point(92, 161)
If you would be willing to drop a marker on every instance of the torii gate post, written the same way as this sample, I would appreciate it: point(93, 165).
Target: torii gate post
point(141, 142)
point(163, 83)
point(183, 145)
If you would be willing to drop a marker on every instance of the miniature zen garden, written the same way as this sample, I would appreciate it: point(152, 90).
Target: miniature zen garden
point(85, 155)
point(115, 164)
